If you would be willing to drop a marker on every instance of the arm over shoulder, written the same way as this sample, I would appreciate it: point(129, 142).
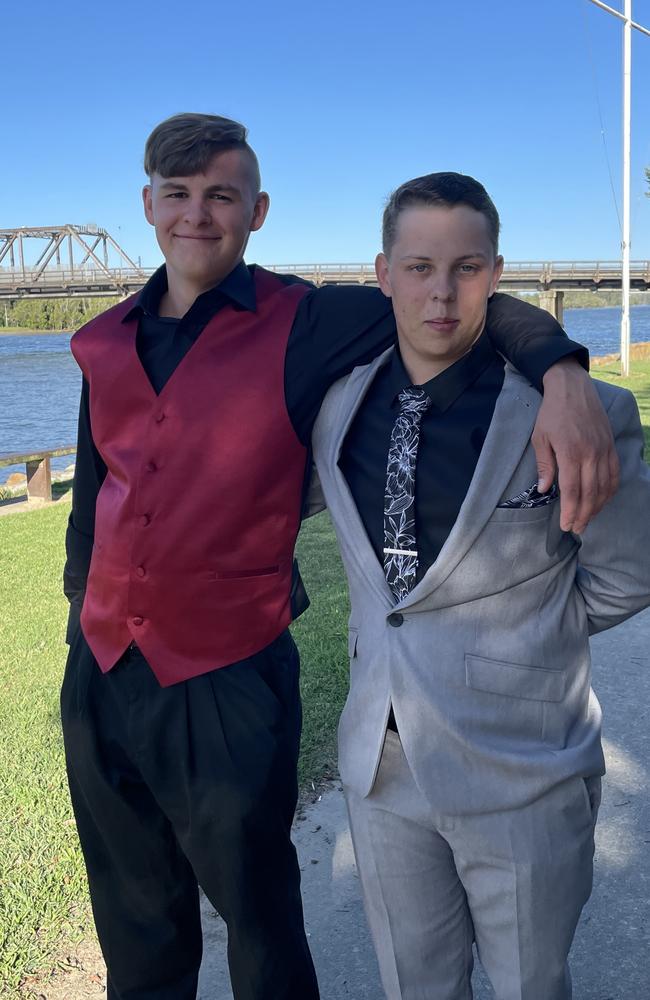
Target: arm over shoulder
point(335, 330)
point(529, 337)
point(614, 559)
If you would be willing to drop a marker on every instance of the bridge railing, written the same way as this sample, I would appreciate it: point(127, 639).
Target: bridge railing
point(52, 276)
point(62, 281)
point(595, 269)
point(527, 268)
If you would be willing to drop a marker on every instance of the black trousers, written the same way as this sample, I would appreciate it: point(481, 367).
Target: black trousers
point(189, 785)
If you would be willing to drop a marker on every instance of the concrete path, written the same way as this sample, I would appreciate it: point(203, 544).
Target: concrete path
point(611, 955)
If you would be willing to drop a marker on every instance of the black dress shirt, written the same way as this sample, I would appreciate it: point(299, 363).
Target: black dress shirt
point(452, 433)
point(335, 329)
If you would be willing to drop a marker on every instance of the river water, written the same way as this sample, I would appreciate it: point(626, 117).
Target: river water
point(40, 382)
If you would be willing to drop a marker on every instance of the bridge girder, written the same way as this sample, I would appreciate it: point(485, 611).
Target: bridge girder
point(12, 244)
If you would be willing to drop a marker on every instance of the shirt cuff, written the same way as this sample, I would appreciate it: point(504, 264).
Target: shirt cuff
point(542, 353)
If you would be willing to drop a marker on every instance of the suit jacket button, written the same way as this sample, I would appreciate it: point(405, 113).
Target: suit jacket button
point(396, 619)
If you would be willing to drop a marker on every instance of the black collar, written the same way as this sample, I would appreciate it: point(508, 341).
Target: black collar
point(445, 388)
point(238, 286)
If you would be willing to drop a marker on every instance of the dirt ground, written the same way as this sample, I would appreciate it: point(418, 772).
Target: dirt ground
point(78, 975)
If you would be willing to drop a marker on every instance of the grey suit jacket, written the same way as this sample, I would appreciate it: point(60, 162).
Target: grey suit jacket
point(489, 670)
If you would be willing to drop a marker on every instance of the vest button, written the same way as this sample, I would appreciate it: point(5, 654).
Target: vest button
point(138, 620)
point(151, 466)
point(141, 571)
point(145, 520)
point(396, 619)
point(160, 417)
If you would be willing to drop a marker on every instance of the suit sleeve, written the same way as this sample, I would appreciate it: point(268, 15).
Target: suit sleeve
point(613, 573)
point(530, 338)
point(89, 474)
point(336, 329)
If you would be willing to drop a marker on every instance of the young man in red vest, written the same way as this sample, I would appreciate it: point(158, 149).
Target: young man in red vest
point(180, 703)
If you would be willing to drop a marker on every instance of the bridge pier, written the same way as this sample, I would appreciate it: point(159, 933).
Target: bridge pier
point(553, 302)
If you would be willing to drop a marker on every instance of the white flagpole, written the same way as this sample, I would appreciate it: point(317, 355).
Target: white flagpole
point(627, 105)
point(626, 17)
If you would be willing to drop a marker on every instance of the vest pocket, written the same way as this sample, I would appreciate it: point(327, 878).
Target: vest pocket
point(244, 574)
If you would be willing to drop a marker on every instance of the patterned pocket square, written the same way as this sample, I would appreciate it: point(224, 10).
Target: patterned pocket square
point(531, 498)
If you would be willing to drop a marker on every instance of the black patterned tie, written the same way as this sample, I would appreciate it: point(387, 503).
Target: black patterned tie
point(400, 546)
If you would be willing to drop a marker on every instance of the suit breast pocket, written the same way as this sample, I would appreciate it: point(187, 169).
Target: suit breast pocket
point(524, 515)
point(530, 533)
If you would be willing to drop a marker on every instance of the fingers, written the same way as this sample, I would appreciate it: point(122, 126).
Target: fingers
point(614, 466)
point(569, 483)
point(586, 485)
point(545, 458)
point(572, 424)
point(588, 500)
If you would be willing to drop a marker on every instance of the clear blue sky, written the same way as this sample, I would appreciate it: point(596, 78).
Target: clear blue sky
point(344, 100)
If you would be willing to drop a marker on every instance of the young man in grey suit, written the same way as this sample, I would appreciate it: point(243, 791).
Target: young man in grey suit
point(470, 746)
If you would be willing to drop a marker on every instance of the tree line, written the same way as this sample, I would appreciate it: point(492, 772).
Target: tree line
point(590, 300)
point(70, 314)
point(52, 314)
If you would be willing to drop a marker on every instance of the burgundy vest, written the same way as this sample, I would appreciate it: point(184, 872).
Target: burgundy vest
point(198, 515)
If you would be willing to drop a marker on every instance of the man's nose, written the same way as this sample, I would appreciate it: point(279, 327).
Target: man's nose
point(196, 212)
point(443, 286)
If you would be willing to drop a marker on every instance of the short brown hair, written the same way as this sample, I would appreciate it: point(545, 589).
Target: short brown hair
point(439, 189)
point(183, 145)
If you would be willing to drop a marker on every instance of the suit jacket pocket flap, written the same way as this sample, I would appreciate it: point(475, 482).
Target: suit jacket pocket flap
point(353, 635)
point(514, 680)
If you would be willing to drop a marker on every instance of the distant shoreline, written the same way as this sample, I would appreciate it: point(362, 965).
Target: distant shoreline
point(19, 331)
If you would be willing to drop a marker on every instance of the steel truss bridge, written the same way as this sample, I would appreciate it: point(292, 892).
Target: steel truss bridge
point(85, 261)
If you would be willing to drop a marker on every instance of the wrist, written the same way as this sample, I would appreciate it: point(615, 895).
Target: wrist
point(565, 368)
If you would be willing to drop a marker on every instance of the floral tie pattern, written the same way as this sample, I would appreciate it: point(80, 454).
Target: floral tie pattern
point(400, 546)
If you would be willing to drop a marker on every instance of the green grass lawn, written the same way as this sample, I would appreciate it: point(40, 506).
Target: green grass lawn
point(43, 901)
point(42, 890)
point(42, 881)
point(639, 382)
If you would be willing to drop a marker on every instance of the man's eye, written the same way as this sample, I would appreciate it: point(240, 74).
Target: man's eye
point(468, 268)
point(420, 268)
point(176, 194)
point(220, 197)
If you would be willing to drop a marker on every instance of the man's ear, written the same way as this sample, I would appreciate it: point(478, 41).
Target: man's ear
point(260, 211)
point(496, 274)
point(148, 204)
point(381, 270)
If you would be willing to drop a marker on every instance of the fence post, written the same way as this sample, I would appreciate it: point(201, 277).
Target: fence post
point(39, 479)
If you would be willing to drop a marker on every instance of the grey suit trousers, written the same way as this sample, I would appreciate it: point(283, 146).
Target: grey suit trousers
point(512, 882)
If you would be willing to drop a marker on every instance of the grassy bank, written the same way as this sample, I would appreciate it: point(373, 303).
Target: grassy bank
point(42, 881)
point(42, 891)
point(639, 383)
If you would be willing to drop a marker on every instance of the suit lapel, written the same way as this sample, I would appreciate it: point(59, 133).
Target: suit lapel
point(507, 438)
point(353, 396)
